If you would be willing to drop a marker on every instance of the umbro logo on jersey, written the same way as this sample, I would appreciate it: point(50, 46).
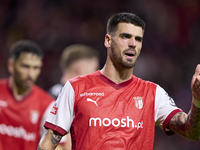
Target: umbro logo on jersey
point(93, 101)
point(54, 110)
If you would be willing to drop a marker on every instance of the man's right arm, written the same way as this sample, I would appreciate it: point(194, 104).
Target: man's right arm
point(49, 140)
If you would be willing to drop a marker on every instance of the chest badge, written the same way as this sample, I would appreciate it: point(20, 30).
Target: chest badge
point(34, 116)
point(138, 102)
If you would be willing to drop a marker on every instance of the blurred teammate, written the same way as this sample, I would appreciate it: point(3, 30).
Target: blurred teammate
point(23, 105)
point(76, 59)
point(113, 109)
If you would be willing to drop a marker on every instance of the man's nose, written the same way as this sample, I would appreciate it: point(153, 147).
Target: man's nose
point(31, 72)
point(132, 42)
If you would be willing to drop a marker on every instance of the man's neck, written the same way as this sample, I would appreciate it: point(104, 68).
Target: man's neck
point(18, 93)
point(117, 75)
point(66, 76)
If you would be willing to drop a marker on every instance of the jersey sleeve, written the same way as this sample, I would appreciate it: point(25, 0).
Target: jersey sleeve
point(62, 113)
point(165, 109)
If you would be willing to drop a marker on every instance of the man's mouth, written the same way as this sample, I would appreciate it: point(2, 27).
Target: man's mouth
point(130, 54)
point(29, 82)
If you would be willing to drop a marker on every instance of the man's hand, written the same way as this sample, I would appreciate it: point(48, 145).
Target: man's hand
point(195, 83)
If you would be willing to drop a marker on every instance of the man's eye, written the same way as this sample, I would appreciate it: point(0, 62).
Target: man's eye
point(138, 39)
point(25, 66)
point(125, 36)
point(37, 67)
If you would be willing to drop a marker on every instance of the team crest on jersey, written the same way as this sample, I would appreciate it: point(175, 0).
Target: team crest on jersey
point(34, 116)
point(138, 102)
point(3, 103)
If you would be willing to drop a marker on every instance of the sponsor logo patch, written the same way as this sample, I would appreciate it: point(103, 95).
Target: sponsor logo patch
point(54, 110)
point(171, 101)
point(115, 122)
point(91, 94)
point(17, 132)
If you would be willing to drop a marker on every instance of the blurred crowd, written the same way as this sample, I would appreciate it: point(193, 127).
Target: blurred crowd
point(170, 53)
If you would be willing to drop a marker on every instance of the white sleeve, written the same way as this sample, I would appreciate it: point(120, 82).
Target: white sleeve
point(62, 113)
point(164, 106)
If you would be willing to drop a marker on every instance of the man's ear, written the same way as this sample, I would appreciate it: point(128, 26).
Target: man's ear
point(107, 41)
point(10, 65)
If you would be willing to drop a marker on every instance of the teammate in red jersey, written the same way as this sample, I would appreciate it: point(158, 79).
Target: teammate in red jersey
point(23, 105)
point(113, 109)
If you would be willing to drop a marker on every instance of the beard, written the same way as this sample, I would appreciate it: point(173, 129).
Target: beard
point(118, 59)
point(24, 84)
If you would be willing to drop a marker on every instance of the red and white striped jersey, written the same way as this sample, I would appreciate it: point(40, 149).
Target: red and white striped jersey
point(103, 115)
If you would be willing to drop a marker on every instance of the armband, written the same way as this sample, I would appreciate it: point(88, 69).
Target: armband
point(196, 102)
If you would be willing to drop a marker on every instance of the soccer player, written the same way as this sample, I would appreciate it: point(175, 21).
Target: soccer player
point(113, 109)
point(74, 62)
point(23, 105)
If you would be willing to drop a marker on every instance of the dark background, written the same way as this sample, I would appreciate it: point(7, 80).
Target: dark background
point(170, 53)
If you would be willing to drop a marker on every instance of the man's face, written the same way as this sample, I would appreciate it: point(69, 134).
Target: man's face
point(93, 65)
point(125, 45)
point(81, 67)
point(25, 70)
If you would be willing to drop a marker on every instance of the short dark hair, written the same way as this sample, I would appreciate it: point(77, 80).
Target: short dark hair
point(76, 52)
point(25, 46)
point(125, 17)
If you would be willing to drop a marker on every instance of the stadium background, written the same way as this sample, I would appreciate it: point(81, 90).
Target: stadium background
point(171, 47)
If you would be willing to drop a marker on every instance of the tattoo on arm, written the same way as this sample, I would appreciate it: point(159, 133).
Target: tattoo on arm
point(55, 138)
point(177, 123)
point(50, 140)
point(186, 125)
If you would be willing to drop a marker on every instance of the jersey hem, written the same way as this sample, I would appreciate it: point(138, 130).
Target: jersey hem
point(167, 120)
point(55, 128)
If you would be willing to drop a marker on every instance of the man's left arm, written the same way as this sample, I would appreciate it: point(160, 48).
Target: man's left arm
point(188, 125)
